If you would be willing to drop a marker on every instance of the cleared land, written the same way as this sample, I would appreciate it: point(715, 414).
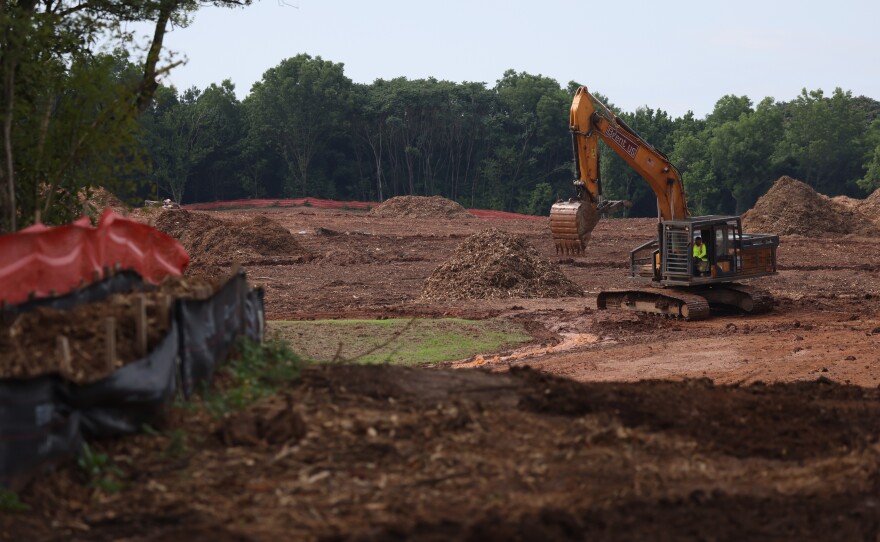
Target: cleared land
point(762, 427)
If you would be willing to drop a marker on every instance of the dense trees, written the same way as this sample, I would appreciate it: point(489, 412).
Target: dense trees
point(306, 129)
point(69, 113)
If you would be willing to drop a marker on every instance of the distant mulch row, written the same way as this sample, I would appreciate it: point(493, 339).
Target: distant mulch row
point(792, 207)
point(209, 240)
point(493, 264)
point(420, 207)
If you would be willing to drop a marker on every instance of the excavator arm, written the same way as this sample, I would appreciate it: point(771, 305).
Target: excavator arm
point(572, 223)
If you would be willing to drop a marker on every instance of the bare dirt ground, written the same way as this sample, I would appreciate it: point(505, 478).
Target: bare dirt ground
point(761, 428)
point(826, 322)
point(395, 453)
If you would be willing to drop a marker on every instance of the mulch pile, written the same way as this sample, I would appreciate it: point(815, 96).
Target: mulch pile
point(29, 341)
point(420, 207)
point(870, 206)
point(211, 241)
point(494, 264)
point(792, 207)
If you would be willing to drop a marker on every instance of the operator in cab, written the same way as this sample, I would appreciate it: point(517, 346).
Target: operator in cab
point(701, 262)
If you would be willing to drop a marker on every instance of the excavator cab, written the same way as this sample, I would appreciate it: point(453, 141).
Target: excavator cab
point(733, 255)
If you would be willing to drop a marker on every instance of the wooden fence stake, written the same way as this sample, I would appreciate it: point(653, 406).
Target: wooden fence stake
point(63, 346)
point(140, 319)
point(110, 330)
point(164, 308)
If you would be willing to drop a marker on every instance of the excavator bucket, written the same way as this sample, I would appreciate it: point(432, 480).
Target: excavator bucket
point(572, 224)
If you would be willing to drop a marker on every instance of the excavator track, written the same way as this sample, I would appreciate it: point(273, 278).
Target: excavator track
point(747, 298)
point(674, 303)
point(692, 305)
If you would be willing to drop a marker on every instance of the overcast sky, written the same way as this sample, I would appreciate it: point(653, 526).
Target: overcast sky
point(672, 55)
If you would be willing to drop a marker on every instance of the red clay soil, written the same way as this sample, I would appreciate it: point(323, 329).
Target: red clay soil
point(420, 207)
point(830, 288)
point(787, 452)
point(392, 453)
point(495, 264)
point(793, 207)
point(29, 341)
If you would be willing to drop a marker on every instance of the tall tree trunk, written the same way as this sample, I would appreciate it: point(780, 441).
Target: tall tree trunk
point(9, 99)
point(149, 84)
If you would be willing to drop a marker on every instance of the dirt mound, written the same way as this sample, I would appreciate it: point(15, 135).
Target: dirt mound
point(420, 207)
point(792, 207)
point(494, 264)
point(209, 240)
point(29, 347)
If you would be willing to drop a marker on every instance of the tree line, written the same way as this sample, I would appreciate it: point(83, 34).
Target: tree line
point(306, 129)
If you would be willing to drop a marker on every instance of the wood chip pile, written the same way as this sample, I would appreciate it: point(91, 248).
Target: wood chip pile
point(420, 207)
point(792, 207)
point(493, 264)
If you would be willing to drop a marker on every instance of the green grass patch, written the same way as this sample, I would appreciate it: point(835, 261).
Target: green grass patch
point(398, 341)
point(10, 503)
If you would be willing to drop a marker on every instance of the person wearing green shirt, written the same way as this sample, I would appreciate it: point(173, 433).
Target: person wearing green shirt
point(701, 262)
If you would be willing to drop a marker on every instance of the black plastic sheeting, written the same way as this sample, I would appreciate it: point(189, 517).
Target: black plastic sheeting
point(37, 428)
point(132, 396)
point(121, 282)
point(208, 331)
point(255, 315)
point(44, 420)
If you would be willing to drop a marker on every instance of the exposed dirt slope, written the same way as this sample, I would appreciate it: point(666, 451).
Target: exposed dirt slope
point(420, 207)
point(29, 347)
point(209, 240)
point(793, 207)
point(495, 264)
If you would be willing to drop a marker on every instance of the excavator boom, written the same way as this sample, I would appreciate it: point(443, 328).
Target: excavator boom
point(589, 121)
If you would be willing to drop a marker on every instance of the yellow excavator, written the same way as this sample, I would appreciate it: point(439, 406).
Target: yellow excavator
point(679, 283)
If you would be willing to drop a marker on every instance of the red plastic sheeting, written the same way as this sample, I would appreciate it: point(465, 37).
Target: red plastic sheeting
point(298, 202)
point(40, 260)
point(331, 204)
